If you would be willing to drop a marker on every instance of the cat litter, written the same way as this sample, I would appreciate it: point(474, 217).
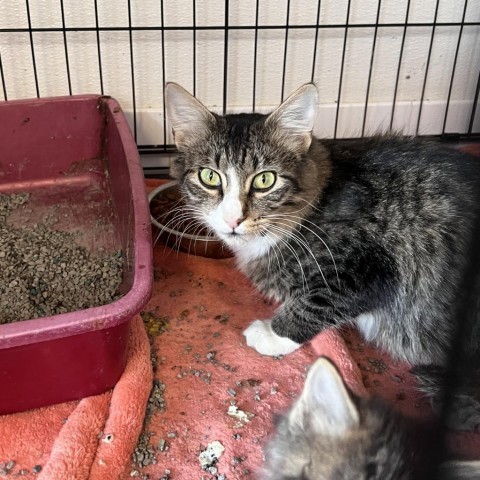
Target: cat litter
point(156, 401)
point(144, 454)
point(45, 272)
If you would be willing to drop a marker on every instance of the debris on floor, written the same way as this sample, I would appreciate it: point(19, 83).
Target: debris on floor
point(209, 457)
point(240, 415)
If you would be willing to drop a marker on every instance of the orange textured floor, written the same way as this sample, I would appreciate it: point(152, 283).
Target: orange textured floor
point(203, 305)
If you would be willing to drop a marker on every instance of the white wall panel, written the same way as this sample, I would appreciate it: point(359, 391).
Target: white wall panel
point(271, 66)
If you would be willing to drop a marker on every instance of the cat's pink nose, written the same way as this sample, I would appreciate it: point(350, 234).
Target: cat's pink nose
point(234, 223)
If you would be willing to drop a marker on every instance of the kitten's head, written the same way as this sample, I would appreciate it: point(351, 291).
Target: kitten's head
point(248, 177)
point(329, 434)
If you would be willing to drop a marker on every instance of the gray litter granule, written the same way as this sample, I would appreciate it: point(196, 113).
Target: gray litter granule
point(45, 272)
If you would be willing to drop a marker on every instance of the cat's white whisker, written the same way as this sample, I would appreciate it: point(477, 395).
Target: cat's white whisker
point(301, 224)
point(302, 208)
point(188, 214)
point(311, 205)
point(163, 229)
point(303, 244)
point(295, 255)
point(303, 219)
point(274, 248)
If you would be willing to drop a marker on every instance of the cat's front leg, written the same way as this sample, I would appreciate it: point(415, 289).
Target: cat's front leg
point(298, 320)
point(264, 340)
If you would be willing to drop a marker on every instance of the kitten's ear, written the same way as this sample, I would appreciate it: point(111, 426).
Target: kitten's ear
point(296, 115)
point(325, 403)
point(189, 118)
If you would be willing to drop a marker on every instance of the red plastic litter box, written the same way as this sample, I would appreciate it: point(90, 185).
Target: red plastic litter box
point(78, 148)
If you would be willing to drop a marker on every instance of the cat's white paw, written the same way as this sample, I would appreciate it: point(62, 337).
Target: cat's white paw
point(264, 340)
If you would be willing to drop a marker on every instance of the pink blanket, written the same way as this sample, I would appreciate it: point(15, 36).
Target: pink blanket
point(71, 441)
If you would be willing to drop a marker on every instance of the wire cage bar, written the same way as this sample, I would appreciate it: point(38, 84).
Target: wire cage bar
point(411, 65)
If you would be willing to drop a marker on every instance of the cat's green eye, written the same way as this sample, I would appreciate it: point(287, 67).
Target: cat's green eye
point(264, 180)
point(210, 177)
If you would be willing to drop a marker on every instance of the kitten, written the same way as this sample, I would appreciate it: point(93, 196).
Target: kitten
point(373, 233)
point(331, 434)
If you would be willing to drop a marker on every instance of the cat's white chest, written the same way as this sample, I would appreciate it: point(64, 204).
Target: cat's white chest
point(252, 250)
point(368, 326)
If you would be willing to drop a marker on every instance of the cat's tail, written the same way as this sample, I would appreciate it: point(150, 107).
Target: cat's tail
point(464, 401)
point(460, 470)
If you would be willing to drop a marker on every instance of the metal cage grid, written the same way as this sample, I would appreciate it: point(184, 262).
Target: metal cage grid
point(316, 26)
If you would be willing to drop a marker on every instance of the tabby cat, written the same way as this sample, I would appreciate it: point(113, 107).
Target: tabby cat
point(373, 233)
point(331, 434)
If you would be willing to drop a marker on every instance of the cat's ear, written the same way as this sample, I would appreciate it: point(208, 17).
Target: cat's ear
point(325, 403)
point(189, 118)
point(296, 116)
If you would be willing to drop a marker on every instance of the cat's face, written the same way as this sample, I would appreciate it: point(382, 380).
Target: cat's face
point(329, 435)
point(248, 176)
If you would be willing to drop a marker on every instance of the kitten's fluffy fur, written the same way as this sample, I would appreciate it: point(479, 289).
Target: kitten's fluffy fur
point(331, 434)
point(373, 232)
